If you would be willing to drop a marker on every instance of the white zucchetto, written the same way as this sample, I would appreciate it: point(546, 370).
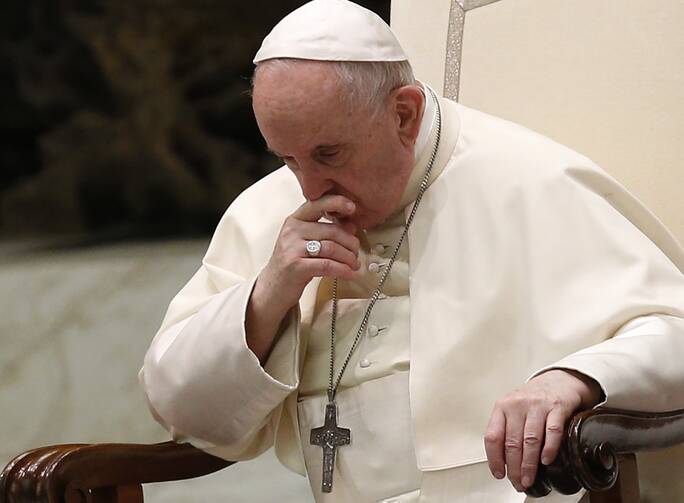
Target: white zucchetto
point(332, 30)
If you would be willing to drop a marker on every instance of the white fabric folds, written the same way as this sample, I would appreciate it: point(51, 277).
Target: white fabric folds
point(523, 255)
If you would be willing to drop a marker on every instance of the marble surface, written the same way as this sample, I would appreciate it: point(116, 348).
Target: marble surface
point(75, 325)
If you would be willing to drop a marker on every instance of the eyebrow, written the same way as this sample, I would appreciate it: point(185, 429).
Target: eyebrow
point(317, 148)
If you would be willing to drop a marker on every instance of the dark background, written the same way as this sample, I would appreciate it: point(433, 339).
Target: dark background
point(129, 118)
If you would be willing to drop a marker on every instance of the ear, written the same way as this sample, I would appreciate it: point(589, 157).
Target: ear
point(408, 103)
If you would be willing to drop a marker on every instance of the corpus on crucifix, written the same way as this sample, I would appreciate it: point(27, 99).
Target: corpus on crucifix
point(329, 437)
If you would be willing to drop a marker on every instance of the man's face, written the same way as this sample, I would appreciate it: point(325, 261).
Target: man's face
point(331, 147)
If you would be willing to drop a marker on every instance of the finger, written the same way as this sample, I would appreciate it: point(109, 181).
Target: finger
point(330, 232)
point(533, 437)
point(494, 443)
point(555, 425)
point(323, 267)
point(515, 423)
point(338, 253)
point(312, 211)
point(348, 227)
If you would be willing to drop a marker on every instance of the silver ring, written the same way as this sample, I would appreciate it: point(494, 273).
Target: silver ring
point(313, 248)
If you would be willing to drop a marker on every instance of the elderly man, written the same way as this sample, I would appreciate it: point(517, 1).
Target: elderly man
point(369, 307)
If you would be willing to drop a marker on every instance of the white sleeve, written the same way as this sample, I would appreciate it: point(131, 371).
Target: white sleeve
point(640, 368)
point(205, 386)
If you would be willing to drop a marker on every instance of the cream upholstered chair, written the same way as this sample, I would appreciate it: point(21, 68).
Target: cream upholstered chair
point(605, 78)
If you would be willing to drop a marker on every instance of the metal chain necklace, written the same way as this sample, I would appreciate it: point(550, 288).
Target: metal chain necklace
point(330, 436)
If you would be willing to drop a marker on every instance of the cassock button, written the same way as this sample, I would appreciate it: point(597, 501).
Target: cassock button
point(364, 364)
point(373, 330)
point(373, 267)
point(379, 248)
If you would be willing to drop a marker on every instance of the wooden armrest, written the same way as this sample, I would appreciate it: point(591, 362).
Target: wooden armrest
point(595, 442)
point(113, 473)
point(99, 473)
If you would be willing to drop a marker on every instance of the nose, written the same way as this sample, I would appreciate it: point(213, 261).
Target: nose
point(314, 185)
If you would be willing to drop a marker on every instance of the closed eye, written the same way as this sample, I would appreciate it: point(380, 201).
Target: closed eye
point(328, 156)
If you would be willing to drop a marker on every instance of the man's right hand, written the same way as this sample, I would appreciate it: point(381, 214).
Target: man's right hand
point(281, 283)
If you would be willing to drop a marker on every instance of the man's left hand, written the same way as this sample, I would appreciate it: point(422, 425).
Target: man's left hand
point(527, 425)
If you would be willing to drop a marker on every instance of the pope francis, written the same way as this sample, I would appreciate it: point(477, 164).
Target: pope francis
point(412, 307)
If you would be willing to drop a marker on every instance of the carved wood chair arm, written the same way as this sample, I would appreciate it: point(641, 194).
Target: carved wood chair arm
point(113, 473)
point(100, 473)
point(596, 440)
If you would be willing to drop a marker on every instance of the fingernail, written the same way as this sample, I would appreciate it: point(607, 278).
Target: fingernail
point(545, 460)
point(351, 206)
point(527, 481)
point(498, 475)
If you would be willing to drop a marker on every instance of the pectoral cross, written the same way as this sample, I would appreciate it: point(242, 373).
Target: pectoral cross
point(329, 437)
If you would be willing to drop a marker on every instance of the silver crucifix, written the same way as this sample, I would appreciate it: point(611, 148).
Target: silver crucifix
point(329, 437)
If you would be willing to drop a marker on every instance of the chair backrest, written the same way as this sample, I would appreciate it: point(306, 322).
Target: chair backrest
point(605, 78)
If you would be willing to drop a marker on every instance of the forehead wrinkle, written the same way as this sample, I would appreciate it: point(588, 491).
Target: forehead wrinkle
point(306, 106)
point(322, 146)
point(309, 95)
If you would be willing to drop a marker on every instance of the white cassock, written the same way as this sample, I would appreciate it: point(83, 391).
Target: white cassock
point(523, 256)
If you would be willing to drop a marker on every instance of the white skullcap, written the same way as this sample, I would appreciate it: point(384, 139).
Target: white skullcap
point(332, 30)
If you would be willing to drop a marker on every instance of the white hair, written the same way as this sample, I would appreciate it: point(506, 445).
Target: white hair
point(368, 84)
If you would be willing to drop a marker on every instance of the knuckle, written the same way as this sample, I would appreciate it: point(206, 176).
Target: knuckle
point(289, 260)
point(299, 269)
point(502, 402)
point(554, 428)
point(512, 444)
point(537, 401)
point(515, 399)
point(531, 439)
point(493, 437)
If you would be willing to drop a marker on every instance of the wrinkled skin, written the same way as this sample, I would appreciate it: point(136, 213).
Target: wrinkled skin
point(527, 425)
point(335, 148)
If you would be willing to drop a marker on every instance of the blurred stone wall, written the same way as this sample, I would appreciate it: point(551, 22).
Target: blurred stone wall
point(76, 324)
point(129, 115)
